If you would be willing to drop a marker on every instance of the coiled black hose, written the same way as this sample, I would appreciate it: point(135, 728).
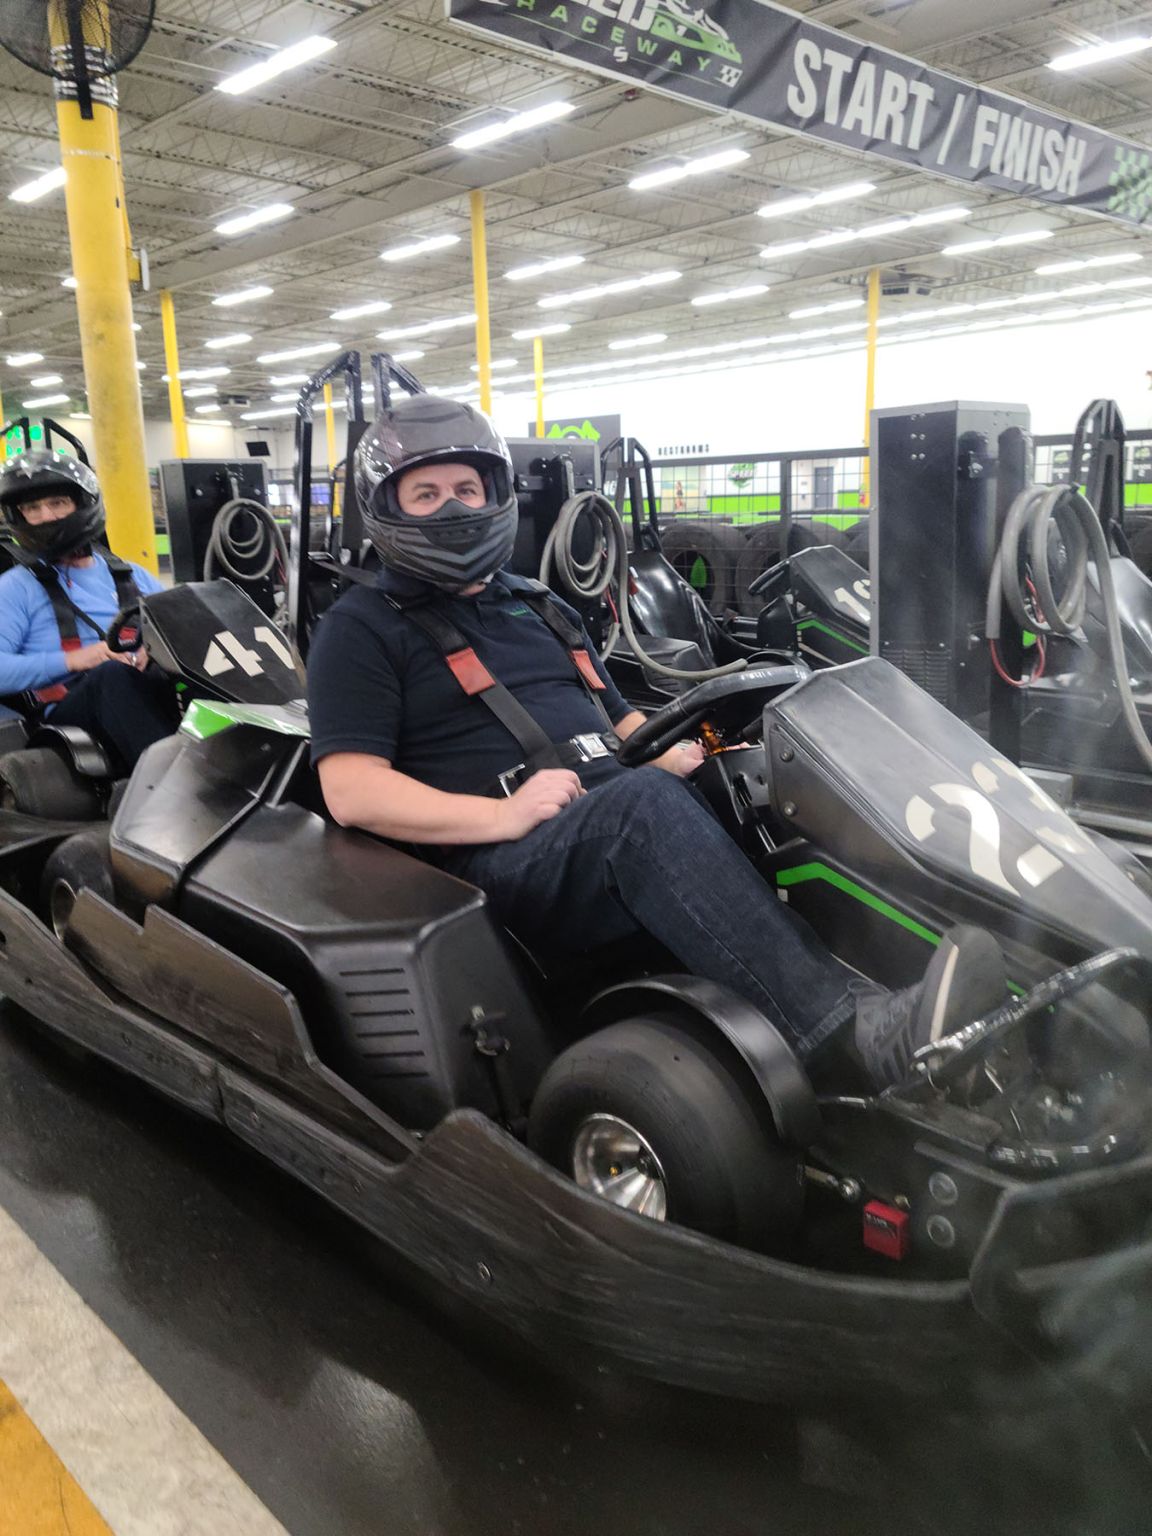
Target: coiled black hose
point(606, 567)
point(226, 546)
point(1027, 527)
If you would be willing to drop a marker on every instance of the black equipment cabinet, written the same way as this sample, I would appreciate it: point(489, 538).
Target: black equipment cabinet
point(547, 473)
point(192, 492)
point(933, 540)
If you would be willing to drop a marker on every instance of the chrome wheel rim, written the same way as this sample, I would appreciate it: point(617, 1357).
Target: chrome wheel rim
point(60, 906)
point(610, 1158)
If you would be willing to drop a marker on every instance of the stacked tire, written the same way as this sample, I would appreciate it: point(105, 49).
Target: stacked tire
point(705, 553)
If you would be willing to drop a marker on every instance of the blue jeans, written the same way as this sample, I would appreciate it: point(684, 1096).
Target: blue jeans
point(125, 710)
point(642, 850)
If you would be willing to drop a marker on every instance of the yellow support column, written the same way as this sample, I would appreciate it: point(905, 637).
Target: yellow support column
point(480, 289)
point(3, 439)
point(538, 366)
point(101, 263)
point(172, 363)
point(330, 424)
point(870, 381)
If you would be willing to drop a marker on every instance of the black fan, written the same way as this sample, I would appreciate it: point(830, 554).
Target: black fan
point(101, 38)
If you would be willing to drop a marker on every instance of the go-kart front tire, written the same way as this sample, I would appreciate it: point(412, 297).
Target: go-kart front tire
point(79, 863)
point(650, 1117)
point(38, 782)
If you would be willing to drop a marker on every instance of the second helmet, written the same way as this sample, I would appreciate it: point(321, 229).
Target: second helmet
point(39, 473)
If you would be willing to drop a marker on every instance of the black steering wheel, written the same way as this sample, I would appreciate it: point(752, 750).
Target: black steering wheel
point(127, 621)
point(738, 698)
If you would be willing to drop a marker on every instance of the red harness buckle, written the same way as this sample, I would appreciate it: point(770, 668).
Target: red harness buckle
point(469, 671)
point(586, 670)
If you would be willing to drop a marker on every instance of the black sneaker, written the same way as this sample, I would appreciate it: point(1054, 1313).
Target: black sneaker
point(964, 981)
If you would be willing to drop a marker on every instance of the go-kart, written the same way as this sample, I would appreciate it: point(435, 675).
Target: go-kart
point(643, 1170)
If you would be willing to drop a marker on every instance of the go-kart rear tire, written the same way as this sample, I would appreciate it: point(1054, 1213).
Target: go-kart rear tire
point(724, 1171)
point(38, 782)
point(79, 863)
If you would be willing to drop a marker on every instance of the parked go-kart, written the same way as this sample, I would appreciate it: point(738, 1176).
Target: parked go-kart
point(358, 1016)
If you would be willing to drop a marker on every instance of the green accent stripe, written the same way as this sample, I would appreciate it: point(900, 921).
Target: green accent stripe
point(836, 635)
point(201, 720)
point(802, 873)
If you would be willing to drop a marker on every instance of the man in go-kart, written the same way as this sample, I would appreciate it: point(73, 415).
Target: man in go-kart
point(56, 604)
point(462, 708)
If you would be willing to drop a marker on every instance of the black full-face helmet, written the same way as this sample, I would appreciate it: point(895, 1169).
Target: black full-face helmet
point(38, 473)
point(457, 545)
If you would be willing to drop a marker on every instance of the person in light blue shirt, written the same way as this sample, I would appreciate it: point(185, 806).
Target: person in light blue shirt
point(56, 605)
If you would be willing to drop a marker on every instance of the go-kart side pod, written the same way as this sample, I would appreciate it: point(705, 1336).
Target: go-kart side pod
point(580, 1277)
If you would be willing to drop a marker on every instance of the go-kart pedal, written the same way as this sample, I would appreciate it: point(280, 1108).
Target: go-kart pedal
point(964, 981)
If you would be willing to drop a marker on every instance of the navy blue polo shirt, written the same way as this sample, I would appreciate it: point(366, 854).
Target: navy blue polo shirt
point(378, 685)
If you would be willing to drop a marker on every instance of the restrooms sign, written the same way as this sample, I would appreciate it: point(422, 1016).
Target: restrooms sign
point(767, 63)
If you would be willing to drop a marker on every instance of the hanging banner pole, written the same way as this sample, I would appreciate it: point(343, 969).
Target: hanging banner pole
point(538, 368)
point(480, 290)
point(172, 364)
point(768, 64)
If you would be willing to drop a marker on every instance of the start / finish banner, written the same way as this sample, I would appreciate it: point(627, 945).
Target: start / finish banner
point(767, 63)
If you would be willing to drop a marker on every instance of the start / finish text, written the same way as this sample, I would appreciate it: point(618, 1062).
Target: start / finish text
point(882, 103)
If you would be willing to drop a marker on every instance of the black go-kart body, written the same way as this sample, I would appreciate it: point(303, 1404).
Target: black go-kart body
point(358, 1017)
point(1072, 729)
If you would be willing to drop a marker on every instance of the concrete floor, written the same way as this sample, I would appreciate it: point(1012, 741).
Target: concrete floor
point(352, 1406)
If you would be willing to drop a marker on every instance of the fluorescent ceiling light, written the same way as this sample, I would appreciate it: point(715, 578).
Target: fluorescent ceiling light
point(842, 194)
point(1099, 53)
point(288, 378)
point(283, 59)
point(266, 215)
point(199, 373)
point(38, 400)
point(47, 378)
point(199, 389)
point(418, 247)
point(538, 268)
point(497, 362)
point(309, 351)
point(519, 122)
point(373, 307)
point(970, 247)
point(670, 173)
point(23, 359)
point(407, 357)
point(729, 294)
point(241, 296)
point(79, 415)
point(605, 290)
point(291, 395)
point(557, 329)
point(202, 410)
point(40, 187)
point(141, 366)
point(69, 282)
point(825, 309)
point(878, 231)
point(427, 327)
point(626, 343)
point(236, 339)
point(267, 415)
point(1121, 259)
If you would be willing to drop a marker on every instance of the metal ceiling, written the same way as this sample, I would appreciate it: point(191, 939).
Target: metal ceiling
point(357, 143)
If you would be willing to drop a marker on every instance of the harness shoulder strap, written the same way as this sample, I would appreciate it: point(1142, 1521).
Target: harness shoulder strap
point(546, 606)
point(477, 682)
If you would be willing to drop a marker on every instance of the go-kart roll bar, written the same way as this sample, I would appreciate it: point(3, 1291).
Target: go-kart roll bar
point(1097, 463)
point(347, 367)
point(386, 371)
point(636, 478)
point(22, 424)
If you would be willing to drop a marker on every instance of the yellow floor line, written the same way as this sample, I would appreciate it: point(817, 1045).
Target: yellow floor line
point(38, 1495)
